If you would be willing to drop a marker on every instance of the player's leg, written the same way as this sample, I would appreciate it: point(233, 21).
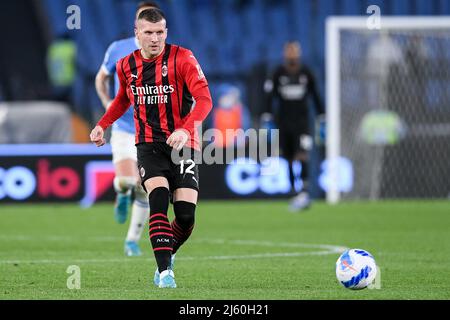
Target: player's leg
point(125, 172)
point(302, 155)
point(186, 186)
point(286, 145)
point(160, 230)
point(127, 179)
point(184, 205)
point(289, 154)
point(154, 166)
point(139, 217)
point(303, 199)
point(184, 183)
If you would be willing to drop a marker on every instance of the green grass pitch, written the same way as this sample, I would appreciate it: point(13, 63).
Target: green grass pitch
point(254, 250)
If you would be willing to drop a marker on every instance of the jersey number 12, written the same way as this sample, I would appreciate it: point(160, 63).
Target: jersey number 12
point(189, 168)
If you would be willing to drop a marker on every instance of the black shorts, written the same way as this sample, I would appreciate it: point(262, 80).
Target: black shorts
point(295, 140)
point(155, 160)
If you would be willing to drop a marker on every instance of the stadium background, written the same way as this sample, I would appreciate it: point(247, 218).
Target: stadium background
point(238, 42)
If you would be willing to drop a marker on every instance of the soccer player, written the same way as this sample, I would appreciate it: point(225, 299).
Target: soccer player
point(124, 155)
point(162, 81)
point(291, 84)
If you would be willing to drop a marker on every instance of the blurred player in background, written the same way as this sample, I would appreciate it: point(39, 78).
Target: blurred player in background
point(291, 85)
point(162, 81)
point(127, 178)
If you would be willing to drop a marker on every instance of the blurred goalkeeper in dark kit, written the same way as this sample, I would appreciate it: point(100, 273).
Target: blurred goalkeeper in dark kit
point(288, 91)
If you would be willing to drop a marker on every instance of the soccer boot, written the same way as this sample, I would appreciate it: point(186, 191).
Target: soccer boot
point(132, 249)
point(156, 277)
point(300, 202)
point(167, 279)
point(121, 206)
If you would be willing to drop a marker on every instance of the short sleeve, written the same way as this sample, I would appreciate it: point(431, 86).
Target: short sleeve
point(118, 66)
point(109, 61)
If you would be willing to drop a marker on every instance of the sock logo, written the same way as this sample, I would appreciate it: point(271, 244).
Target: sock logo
point(162, 240)
point(142, 171)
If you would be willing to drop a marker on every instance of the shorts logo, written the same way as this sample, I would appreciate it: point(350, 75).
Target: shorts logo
point(164, 70)
point(142, 171)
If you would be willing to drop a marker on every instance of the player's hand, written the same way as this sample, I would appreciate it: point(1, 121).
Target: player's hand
point(178, 139)
point(97, 136)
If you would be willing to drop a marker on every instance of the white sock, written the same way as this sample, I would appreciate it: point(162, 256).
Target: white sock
point(139, 220)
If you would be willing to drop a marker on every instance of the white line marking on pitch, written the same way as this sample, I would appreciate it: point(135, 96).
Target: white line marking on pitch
point(326, 249)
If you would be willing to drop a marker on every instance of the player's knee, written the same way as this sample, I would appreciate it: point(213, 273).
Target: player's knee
point(186, 194)
point(141, 196)
point(123, 184)
point(155, 183)
point(184, 213)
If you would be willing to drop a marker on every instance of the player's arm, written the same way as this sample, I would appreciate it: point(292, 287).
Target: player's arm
point(270, 89)
point(104, 74)
point(117, 108)
point(198, 86)
point(315, 94)
point(319, 123)
point(269, 92)
point(102, 86)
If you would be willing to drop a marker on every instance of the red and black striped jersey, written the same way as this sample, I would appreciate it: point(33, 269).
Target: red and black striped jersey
point(168, 92)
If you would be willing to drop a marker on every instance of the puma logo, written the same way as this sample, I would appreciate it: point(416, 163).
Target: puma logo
point(134, 75)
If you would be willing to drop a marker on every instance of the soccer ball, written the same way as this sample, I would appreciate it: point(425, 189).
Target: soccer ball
point(356, 269)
